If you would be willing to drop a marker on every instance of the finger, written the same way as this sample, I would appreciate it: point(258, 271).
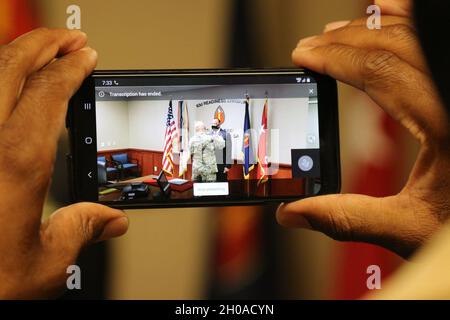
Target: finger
point(339, 216)
point(33, 131)
point(348, 217)
point(43, 104)
point(399, 39)
point(336, 25)
point(400, 8)
point(72, 228)
point(382, 74)
point(385, 22)
point(60, 240)
point(28, 54)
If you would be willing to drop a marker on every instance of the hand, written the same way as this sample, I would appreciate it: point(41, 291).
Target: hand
point(388, 65)
point(35, 89)
point(226, 170)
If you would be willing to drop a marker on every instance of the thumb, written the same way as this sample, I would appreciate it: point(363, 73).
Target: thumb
point(345, 217)
point(79, 225)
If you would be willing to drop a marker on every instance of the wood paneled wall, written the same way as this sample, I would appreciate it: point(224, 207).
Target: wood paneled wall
point(150, 163)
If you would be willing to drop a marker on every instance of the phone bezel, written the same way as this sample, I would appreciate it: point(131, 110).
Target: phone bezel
point(84, 188)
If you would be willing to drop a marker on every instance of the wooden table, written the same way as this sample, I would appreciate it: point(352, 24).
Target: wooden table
point(237, 189)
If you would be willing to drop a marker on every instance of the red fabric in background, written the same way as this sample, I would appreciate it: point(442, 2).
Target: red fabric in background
point(237, 259)
point(24, 17)
point(354, 258)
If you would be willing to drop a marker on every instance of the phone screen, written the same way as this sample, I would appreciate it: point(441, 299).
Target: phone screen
point(213, 137)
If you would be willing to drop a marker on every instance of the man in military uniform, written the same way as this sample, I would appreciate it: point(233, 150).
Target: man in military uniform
point(202, 147)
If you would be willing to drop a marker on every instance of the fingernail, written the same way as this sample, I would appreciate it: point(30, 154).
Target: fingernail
point(336, 25)
point(91, 52)
point(280, 207)
point(292, 220)
point(114, 228)
point(81, 33)
point(301, 49)
point(306, 42)
point(78, 35)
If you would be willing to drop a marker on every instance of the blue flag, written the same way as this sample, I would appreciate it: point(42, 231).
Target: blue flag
point(247, 143)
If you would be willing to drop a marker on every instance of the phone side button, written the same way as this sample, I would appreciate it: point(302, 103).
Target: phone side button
point(69, 114)
point(69, 117)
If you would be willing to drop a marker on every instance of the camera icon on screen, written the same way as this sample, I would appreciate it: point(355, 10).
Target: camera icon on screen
point(305, 163)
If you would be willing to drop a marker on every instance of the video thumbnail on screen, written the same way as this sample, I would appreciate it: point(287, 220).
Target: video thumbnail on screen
point(183, 142)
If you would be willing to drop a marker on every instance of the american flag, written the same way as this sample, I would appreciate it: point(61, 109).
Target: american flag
point(170, 137)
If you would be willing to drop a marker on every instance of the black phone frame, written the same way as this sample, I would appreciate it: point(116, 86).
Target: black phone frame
point(82, 158)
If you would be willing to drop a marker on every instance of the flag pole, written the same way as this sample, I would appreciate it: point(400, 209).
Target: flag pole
point(269, 181)
point(247, 185)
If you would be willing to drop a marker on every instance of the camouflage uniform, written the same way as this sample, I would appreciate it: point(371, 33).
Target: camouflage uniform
point(204, 164)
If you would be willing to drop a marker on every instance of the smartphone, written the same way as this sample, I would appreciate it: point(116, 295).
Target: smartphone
point(179, 138)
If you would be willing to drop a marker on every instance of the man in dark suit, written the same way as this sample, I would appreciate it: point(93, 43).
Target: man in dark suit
point(223, 156)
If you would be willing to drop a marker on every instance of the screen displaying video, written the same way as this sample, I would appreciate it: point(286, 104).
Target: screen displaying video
point(197, 140)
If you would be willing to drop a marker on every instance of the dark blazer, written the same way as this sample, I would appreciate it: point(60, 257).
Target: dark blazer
point(223, 156)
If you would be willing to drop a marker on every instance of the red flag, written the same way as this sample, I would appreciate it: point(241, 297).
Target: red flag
point(376, 175)
point(262, 148)
point(238, 250)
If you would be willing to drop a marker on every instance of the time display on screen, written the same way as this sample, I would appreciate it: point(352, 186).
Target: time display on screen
point(109, 83)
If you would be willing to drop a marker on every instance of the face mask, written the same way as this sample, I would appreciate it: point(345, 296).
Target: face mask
point(215, 127)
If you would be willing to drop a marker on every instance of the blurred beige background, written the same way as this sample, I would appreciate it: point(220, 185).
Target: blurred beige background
point(165, 254)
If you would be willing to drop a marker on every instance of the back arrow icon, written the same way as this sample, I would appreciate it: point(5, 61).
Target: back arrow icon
point(90, 174)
